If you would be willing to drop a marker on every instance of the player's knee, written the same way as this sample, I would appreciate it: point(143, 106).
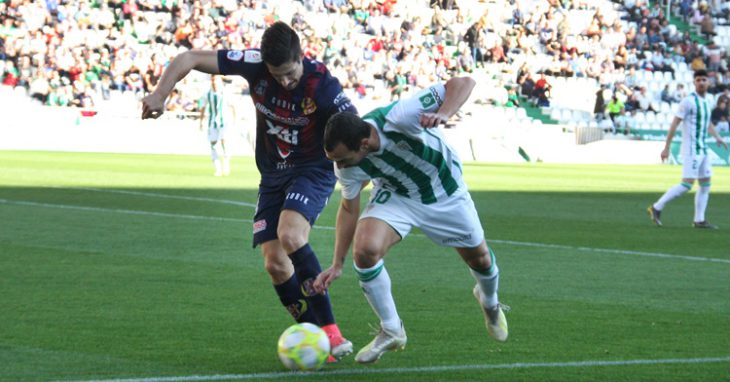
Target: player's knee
point(277, 268)
point(291, 240)
point(366, 256)
point(480, 262)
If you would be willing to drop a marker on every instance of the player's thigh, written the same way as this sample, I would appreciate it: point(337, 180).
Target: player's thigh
point(373, 239)
point(293, 229)
point(308, 192)
point(693, 166)
point(268, 210)
point(705, 168)
point(392, 209)
point(305, 193)
point(453, 222)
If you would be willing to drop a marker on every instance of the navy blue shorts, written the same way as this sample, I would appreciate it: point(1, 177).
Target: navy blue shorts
point(307, 191)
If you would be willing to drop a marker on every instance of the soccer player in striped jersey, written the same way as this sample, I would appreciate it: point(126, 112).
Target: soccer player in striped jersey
point(418, 182)
point(694, 115)
point(215, 108)
point(294, 97)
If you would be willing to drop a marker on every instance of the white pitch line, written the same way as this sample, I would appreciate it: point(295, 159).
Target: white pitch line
point(425, 369)
point(163, 196)
point(608, 250)
point(329, 228)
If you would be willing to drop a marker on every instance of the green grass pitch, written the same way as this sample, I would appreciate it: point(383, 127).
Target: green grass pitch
point(140, 267)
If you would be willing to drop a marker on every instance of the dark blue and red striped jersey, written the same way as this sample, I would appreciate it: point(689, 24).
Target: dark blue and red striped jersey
point(289, 124)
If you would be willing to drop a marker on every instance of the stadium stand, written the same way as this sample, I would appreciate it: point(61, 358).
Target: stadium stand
point(537, 61)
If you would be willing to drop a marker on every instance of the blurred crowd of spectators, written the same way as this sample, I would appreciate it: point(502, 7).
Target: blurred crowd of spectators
point(79, 52)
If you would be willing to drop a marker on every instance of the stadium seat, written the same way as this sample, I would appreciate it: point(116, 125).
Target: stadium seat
point(566, 115)
point(521, 113)
point(664, 107)
point(555, 114)
point(650, 117)
point(509, 112)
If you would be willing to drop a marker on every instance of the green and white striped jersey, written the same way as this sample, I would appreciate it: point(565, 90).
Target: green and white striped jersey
point(412, 161)
point(695, 112)
point(215, 108)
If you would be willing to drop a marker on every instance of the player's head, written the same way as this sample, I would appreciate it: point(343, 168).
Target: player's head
point(282, 54)
point(346, 139)
point(701, 82)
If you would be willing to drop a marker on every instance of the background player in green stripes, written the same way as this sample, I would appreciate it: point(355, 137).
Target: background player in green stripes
point(694, 115)
point(418, 182)
point(216, 109)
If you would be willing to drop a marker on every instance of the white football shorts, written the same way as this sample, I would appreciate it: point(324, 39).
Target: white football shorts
point(696, 166)
point(215, 135)
point(452, 222)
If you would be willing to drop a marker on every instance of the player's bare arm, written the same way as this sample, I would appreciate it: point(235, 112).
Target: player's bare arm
point(670, 135)
point(345, 225)
point(347, 215)
point(202, 114)
point(458, 90)
point(718, 138)
point(153, 105)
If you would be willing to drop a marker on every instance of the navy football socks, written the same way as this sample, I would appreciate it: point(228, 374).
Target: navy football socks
point(306, 269)
point(293, 299)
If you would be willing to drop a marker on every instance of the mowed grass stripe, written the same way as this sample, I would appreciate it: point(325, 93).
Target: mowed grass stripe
point(225, 219)
point(106, 295)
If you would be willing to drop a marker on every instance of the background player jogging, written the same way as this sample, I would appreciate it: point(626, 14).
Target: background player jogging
point(214, 112)
point(694, 115)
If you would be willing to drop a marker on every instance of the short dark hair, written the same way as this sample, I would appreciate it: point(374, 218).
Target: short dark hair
point(346, 128)
point(280, 44)
point(700, 73)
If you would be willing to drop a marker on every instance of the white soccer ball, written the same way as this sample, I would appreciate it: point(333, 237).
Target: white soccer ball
point(303, 347)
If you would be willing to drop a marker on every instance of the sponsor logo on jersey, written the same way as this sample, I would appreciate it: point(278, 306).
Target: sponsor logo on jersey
point(344, 107)
point(283, 165)
point(252, 56)
point(342, 102)
point(296, 121)
point(308, 106)
point(234, 55)
point(259, 226)
point(427, 100)
point(436, 95)
point(403, 145)
point(260, 87)
point(340, 98)
point(282, 103)
point(284, 152)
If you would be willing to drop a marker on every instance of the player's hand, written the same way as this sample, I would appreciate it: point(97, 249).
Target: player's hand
point(665, 154)
point(152, 106)
point(721, 142)
point(325, 279)
point(429, 120)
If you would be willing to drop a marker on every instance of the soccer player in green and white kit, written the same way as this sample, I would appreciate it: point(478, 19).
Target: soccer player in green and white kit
point(694, 115)
point(417, 180)
point(214, 106)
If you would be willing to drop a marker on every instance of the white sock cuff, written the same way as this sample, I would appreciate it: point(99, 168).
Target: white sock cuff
point(367, 274)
